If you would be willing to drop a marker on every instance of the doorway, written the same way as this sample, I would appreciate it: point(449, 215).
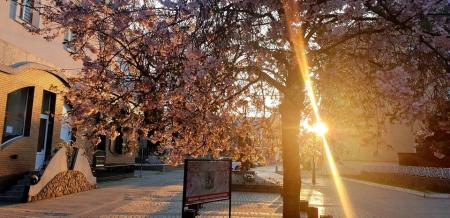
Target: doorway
point(45, 129)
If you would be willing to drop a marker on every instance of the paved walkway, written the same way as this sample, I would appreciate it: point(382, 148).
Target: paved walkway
point(158, 194)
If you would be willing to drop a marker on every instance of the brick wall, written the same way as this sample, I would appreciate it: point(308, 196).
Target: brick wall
point(25, 147)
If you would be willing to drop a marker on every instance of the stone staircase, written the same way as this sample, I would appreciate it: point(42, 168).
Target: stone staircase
point(18, 192)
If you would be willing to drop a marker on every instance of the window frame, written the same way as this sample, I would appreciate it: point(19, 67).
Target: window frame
point(22, 6)
point(68, 37)
point(17, 13)
point(27, 116)
point(113, 144)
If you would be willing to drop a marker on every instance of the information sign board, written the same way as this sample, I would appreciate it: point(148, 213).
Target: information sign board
point(206, 181)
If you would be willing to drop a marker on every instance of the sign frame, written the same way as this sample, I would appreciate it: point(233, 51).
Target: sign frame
point(185, 203)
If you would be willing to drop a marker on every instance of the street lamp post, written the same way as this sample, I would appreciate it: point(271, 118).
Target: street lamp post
point(313, 171)
point(142, 160)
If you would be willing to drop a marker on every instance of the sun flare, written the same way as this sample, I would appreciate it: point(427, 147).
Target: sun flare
point(296, 35)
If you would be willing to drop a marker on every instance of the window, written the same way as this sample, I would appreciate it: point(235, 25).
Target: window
point(68, 37)
point(18, 114)
point(102, 145)
point(128, 76)
point(26, 11)
point(48, 102)
point(12, 9)
point(118, 144)
point(66, 131)
point(123, 65)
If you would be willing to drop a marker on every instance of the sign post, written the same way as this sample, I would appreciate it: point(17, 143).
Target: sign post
point(206, 181)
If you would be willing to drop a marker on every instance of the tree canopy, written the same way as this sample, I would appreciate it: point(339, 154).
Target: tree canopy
point(184, 73)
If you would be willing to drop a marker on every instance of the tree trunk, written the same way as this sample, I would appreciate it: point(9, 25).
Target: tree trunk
point(290, 124)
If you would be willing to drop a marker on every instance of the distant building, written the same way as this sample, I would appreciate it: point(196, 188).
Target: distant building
point(355, 152)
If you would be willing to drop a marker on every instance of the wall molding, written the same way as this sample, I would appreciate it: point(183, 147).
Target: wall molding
point(21, 67)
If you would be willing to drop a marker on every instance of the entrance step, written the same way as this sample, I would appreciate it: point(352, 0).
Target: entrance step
point(18, 187)
point(17, 193)
point(25, 181)
point(7, 198)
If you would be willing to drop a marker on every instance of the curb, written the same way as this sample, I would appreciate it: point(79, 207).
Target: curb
point(256, 188)
point(405, 190)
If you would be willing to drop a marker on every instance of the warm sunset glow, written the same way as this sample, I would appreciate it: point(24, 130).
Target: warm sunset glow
point(296, 35)
point(320, 129)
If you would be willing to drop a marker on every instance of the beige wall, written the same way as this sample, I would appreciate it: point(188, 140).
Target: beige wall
point(400, 137)
point(19, 45)
point(395, 138)
point(112, 158)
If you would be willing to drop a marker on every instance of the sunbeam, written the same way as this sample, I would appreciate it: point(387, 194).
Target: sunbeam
point(297, 40)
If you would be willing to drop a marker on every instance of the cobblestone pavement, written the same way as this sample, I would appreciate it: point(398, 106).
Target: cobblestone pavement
point(159, 195)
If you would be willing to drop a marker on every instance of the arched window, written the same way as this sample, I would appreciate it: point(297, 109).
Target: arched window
point(18, 113)
point(118, 144)
point(102, 145)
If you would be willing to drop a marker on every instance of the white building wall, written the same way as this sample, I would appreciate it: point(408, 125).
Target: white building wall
point(18, 45)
